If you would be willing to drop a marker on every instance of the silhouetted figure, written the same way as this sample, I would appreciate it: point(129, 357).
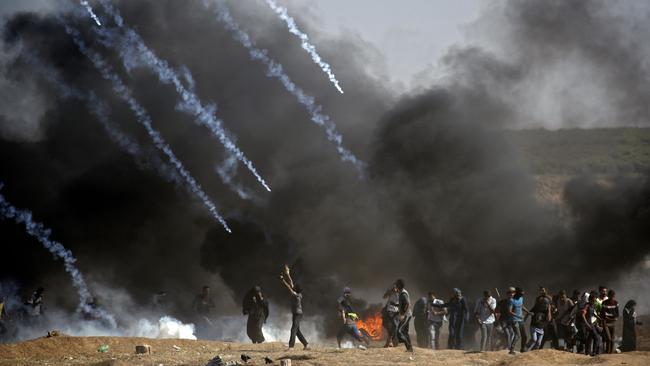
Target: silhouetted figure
point(629, 327)
point(458, 317)
point(203, 306)
point(420, 322)
point(257, 309)
point(405, 315)
point(296, 308)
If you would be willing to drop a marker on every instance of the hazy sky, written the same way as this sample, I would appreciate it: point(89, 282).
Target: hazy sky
point(411, 34)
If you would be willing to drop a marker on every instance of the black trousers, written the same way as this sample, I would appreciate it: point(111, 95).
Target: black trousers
point(295, 331)
point(390, 321)
point(403, 332)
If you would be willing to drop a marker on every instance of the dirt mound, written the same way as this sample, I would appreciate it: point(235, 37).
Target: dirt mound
point(64, 350)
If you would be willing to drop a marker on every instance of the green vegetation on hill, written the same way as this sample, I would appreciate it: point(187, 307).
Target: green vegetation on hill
point(584, 151)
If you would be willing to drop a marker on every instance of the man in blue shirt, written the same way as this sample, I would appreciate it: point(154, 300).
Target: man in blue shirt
point(516, 319)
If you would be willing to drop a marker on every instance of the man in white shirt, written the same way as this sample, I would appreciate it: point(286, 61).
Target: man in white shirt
point(484, 313)
point(436, 312)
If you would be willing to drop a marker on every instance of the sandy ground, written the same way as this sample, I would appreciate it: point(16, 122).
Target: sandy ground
point(65, 350)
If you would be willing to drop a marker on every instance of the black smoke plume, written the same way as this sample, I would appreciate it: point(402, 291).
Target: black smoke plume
point(447, 201)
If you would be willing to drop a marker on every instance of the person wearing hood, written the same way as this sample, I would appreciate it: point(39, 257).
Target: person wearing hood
point(458, 317)
point(256, 307)
point(629, 327)
point(420, 322)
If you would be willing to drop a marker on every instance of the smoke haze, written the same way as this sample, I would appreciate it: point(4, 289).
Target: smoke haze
point(447, 202)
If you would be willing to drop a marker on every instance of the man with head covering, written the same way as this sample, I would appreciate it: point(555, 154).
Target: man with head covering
point(257, 309)
point(458, 317)
point(349, 318)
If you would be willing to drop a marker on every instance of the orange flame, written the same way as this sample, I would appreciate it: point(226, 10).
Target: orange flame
point(372, 325)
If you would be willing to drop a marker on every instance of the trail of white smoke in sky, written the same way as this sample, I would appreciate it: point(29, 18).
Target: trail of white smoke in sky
point(145, 120)
point(227, 170)
point(304, 42)
point(134, 52)
point(90, 11)
point(275, 70)
point(42, 234)
point(101, 111)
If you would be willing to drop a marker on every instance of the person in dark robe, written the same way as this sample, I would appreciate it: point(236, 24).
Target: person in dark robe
point(257, 309)
point(421, 323)
point(629, 327)
point(458, 317)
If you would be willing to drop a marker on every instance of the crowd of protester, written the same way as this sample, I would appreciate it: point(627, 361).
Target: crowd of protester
point(584, 322)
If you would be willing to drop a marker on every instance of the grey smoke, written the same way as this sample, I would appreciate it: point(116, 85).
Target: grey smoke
point(448, 202)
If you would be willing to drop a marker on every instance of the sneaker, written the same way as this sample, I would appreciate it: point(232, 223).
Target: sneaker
point(306, 348)
point(512, 352)
point(361, 346)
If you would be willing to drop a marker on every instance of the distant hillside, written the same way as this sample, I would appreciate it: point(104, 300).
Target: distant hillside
point(605, 151)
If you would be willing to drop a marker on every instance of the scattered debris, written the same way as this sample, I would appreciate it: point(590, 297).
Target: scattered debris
point(145, 348)
point(176, 347)
point(103, 348)
point(53, 333)
point(245, 358)
point(218, 361)
point(267, 360)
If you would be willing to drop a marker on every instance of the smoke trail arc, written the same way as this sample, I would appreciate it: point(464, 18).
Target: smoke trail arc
point(42, 234)
point(275, 70)
point(304, 42)
point(144, 119)
point(134, 52)
point(97, 107)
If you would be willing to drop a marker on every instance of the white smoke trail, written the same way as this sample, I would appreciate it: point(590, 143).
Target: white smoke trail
point(101, 111)
point(275, 70)
point(304, 42)
point(145, 120)
point(227, 170)
point(90, 11)
point(42, 234)
point(134, 52)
